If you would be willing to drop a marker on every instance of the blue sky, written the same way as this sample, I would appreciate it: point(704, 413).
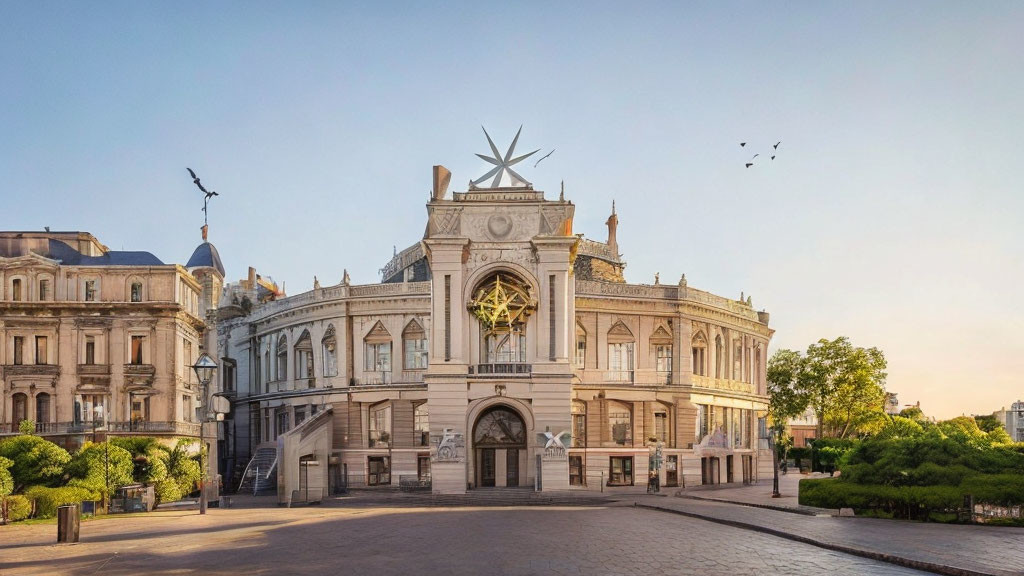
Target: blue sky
point(892, 213)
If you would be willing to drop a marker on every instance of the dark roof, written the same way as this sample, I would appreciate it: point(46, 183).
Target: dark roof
point(69, 256)
point(206, 256)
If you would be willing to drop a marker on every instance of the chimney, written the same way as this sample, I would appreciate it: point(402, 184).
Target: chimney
point(442, 177)
point(205, 229)
point(252, 278)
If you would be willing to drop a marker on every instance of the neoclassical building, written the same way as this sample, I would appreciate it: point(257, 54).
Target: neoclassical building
point(502, 350)
point(99, 339)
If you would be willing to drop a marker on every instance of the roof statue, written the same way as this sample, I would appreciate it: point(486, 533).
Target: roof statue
point(206, 200)
point(503, 164)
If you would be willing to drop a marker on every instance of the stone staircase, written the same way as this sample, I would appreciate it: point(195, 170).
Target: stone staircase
point(480, 497)
point(261, 473)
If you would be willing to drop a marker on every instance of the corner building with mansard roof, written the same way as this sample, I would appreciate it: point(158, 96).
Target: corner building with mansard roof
point(502, 350)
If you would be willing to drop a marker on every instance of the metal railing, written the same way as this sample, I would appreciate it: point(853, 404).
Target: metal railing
point(379, 439)
point(503, 369)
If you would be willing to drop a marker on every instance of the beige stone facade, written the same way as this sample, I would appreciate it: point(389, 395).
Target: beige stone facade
point(97, 339)
point(503, 350)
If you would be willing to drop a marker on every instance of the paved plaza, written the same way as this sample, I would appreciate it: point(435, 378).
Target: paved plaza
point(384, 541)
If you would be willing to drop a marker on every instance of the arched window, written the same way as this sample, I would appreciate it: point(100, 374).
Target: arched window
point(421, 425)
point(620, 423)
point(661, 342)
point(579, 424)
point(699, 351)
point(502, 304)
point(414, 340)
point(377, 354)
point(719, 360)
point(499, 427)
point(330, 347)
point(19, 408)
point(42, 407)
point(136, 291)
point(282, 358)
point(304, 356)
point(620, 354)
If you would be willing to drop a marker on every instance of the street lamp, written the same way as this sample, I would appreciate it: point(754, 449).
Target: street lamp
point(204, 367)
point(773, 433)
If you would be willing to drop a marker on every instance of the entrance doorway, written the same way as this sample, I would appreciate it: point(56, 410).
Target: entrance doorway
point(379, 471)
point(499, 442)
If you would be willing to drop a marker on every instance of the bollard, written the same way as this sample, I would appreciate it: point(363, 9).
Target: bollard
point(67, 523)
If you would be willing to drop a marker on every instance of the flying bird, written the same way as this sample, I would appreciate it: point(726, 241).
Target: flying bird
point(773, 157)
point(777, 145)
point(545, 156)
point(742, 144)
point(755, 156)
point(195, 180)
point(749, 164)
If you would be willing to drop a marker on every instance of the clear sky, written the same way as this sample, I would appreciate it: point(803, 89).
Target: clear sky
point(892, 214)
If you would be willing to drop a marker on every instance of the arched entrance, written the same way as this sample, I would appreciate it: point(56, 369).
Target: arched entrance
point(499, 444)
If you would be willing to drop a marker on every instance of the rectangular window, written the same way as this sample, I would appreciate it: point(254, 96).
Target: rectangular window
point(300, 416)
point(186, 408)
point(663, 357)
point(702, 421)
point(378, 357)
point(621, 471)
point(581, 351)
point(19, 349)
point(579, 430)
point(90, 408)
point(16, 290)
point(423, 468)
point(136, 292)
point(661, 426)
point(40, 349)
point(282, 423)
point(380, 427)
point(576, 472)
point(90, 290)
point(416, 354)
point(90, 350)
point(421, 425)
point(44, 290)
point(737, 362)
point(136, 351)
point(303, 363)
point(620, 362)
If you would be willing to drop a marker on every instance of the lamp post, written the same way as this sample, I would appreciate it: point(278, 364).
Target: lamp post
point(204, 367)
point(98, 417)
point(773, 434)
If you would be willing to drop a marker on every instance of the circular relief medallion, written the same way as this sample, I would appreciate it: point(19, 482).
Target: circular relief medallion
point(499, 225)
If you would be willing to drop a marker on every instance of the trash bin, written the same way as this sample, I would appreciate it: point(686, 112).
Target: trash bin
point(67, 523)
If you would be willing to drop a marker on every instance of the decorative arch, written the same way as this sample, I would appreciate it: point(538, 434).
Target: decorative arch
point(476, 278)
point(377, 352)
point(502, 303)
point(478, 407)
point(620, 353)
point(135, 289)
point(619, 332)
point(699, 353)
point(500, 426)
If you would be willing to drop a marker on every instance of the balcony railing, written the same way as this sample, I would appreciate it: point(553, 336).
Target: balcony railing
point(625, 376)
point(31, 370)
point(387, 379)
point(94, 369)
point(502, 369)
point(136, 427)
point(139, 370)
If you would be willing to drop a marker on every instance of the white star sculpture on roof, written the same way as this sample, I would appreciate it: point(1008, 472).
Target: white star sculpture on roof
point(503, 165)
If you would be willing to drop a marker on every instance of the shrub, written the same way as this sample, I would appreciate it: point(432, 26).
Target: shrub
point(46, 500)
point(799, 455)
point(97, 467)
point(18, 508)
point(36, 461)
point(27, 427)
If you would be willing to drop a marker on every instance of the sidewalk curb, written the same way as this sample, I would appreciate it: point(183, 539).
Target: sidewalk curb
point(870, 554)
point(801, 511)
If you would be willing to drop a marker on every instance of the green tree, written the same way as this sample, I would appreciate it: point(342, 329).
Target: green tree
point(100, 467)
point(786, 400)
point(989, 423)
point(27, 427)
point(6, 486)
point(900, 427)
point(36, 461)
point(846, 386)
point(914, 413)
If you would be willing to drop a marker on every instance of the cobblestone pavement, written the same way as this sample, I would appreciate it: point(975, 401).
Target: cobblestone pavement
point(979, 549)
point(384, 541)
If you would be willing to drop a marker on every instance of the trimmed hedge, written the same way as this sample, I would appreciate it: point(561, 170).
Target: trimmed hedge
point(18, 508)
point(46, 500)
point(912, 502)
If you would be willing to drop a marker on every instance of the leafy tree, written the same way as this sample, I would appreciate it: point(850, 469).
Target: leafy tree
point(182, 471)
point(100, 467)
point(786, 398)
point(914, 413)
point(36, 461)
point(900, 427)
point(989, 423)
point(845, 385)
point(27, 427)
point(6, 486)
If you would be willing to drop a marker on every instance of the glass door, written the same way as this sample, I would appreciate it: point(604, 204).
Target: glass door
point(487, 467)
point(511, 467)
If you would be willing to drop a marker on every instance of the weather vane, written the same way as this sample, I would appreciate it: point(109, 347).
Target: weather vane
point(206, 200)
point(503, 164)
